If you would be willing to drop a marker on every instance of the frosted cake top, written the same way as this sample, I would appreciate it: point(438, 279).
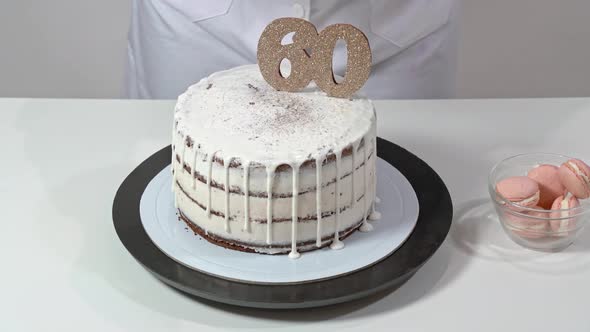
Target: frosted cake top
point(236, 114)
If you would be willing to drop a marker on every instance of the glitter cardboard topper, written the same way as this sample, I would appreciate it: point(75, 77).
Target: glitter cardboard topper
point(311, 55)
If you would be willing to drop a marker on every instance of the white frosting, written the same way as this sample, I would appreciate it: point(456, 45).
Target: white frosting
point(280, 232)
point(565, 204)
point(579, 172)
point(194, 169)
point(235, 116)
point(226, 171)
point(375, 215)
point(209, 176)
point(366, 227)
point(318, 201)
point(279, 127)
point(337, 244)
point(246, 187)
point(294, 214)
point(527, 201)
point(270, 175)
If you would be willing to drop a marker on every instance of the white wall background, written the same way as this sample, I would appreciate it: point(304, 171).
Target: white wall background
point(525, 48)
point(509, 48)
point(63, 48)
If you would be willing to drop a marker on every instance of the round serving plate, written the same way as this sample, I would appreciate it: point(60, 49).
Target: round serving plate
point(399, 212)
point(405, 243)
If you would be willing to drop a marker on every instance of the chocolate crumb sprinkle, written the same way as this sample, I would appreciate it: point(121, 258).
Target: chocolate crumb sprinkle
point(209, 86)
point(189, 141)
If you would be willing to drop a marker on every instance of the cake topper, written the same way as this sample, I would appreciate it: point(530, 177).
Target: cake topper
point(311, 55)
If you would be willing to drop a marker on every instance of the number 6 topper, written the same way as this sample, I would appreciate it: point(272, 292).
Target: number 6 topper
point(316, 66)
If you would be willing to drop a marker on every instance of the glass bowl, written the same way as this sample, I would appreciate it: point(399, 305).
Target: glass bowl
point(538, 229)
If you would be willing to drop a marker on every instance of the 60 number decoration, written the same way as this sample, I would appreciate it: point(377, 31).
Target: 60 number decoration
point(317, 66)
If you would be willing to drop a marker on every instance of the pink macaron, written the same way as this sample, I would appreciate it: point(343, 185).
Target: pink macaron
point(575, 176)
point(532, 226)
point(520, 190)
point(547, 176)
point(561, 224)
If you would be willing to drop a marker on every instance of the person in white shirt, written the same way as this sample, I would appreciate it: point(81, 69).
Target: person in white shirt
point(174, 43)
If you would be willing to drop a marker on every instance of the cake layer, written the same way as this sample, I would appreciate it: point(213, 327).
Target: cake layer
point(195, 161)
point(265, 249)
point(274, 234)
point(198, 190)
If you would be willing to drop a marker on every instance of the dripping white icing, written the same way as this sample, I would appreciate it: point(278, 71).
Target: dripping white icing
point(235, 114)
point(173, 148)
point(270, 175)
point(246, 165)
point(374, 214)
point(177, 170)
point(565, 204)
point(173, 166)
point(353, 196)
point(182, 157)
point(365, 227)
point(294, 215)
point(336, 243)
point(226, 162)
point(209, 170)
point(193, 168)
point(318, 200)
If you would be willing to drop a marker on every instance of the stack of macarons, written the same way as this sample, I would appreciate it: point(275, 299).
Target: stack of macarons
point(545, 195)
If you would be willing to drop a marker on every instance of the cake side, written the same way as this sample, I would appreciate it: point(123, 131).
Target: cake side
point(252, 228)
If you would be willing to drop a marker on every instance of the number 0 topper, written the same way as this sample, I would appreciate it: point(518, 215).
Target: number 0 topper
point(316, 66)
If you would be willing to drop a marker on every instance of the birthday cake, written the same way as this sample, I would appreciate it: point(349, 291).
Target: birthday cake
point(272, 172)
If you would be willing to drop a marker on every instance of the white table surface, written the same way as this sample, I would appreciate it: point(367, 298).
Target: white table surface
point(63, 267)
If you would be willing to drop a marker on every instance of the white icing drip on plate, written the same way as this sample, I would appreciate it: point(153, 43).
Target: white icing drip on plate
point(366, 227)
point(375, 215)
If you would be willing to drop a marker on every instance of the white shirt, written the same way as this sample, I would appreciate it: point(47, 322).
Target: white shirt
point(175, 43)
